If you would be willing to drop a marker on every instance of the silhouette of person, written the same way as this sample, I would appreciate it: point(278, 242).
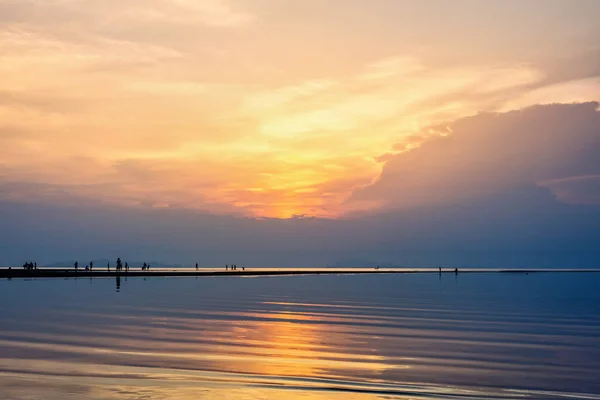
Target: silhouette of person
point(144, 267)
point(119, 264)
point(456, 270)
point(196, 266)
point(87, 267)
point(126, 267)
point(148, 267)
point(76, 265)
point(91, 265)
point(35, 265)
point(108, 266)
point(226, 267)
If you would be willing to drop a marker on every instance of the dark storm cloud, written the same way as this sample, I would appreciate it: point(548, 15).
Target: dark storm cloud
point(493, 153)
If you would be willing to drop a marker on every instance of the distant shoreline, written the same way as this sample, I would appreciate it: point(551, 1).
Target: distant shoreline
point(191, 272)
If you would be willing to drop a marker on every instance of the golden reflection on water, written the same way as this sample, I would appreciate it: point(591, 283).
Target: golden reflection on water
point(272, 346)
point(55, 380)
point(230, 356)
point(300, 349)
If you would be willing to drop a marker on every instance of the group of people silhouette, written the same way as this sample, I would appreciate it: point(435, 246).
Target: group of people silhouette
point(30, 265)
point(88, 267)
point(119, 267)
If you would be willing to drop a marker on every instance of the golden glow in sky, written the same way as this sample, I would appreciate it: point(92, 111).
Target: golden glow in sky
point(260, 108)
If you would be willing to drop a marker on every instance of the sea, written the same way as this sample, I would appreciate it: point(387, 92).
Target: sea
point(311, 337)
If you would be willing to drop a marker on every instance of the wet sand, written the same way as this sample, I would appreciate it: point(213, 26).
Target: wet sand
point(190, 272)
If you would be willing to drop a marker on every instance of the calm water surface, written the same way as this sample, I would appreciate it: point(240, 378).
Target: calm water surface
point(406, 336)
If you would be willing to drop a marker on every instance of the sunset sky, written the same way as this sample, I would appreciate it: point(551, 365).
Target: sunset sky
point(333, 109)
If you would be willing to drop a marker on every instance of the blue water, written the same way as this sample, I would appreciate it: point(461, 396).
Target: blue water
point(405, 336)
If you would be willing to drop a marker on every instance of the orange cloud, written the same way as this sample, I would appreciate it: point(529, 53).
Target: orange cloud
point(179, 103)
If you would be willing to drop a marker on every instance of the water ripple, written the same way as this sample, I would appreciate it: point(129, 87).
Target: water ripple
point(309, 337)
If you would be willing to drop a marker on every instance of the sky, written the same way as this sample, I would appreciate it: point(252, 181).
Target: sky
point(301, 132)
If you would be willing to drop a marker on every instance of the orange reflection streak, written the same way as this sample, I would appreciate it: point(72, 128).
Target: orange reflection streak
point(57, 380)
point(224, 354)
point(267, 344)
